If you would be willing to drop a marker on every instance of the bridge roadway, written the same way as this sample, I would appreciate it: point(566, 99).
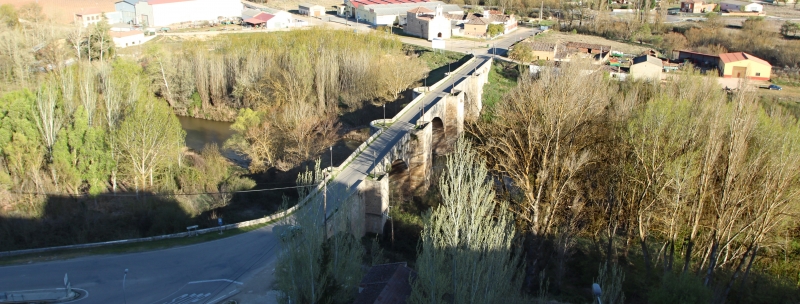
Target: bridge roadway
point(205, 272)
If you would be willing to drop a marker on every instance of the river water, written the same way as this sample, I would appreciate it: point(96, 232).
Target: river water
point(200, 132)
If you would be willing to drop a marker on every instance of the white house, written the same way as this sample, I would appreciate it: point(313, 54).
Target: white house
point(277, 20)
point(129, 38)
point(312, 10)
point(737, 6)
point(167, 12)
point(88, 17)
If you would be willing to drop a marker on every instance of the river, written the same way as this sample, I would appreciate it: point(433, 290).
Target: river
point(200, 132)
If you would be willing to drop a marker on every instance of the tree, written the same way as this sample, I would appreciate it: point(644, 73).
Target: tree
point(8, 16)
point(313, 265)
point(466, 253)
point(789, 27)
point(495, 29)
point(522, 52)
point(147, 138)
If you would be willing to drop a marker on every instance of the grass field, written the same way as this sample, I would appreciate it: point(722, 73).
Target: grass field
point(62, 11)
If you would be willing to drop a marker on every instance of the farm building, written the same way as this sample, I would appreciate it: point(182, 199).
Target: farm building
point(744, 65)
point(388, 12)
point(167, 12)
point(312, 10)
point(129, 38)
point(738, 6)
point(646, 67)
point(698, 59)
point(271, 21)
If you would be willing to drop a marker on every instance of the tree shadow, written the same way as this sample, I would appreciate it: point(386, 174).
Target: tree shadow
point(69, 220)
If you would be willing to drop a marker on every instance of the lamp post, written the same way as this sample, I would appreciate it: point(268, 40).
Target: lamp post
point(597, 292)
point(124, 298)
point(384, 115)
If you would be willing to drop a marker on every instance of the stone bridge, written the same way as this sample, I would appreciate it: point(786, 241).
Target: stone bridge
point(403, 147)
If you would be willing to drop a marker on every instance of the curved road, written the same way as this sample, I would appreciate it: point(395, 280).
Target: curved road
point(206, 272)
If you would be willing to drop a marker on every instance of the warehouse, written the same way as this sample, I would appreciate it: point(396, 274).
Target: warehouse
point(744, 65)
point(167, 12)
point(389, 12)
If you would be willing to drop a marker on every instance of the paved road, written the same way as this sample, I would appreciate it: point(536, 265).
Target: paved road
point(205, 272)
point(202, 272)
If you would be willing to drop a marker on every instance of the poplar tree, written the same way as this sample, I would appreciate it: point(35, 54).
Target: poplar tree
point(466, 254)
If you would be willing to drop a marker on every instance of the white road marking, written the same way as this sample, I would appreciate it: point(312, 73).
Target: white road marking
point(223, 297)
point(189, 298)
point(218, 280)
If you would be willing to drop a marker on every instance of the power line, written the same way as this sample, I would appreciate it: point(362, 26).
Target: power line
point(159, 194)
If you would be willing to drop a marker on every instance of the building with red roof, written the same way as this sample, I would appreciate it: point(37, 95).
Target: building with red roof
point(744, 65)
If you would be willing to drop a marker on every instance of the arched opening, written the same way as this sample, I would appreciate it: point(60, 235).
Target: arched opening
point(438, 137)
point(399, 177)
point(440, 35)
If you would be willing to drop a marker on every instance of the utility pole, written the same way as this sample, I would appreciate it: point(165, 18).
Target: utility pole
point(541, 8)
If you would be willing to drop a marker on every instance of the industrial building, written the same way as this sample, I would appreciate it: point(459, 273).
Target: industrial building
point(154, 13)
point(744, 65)
point(389, 12)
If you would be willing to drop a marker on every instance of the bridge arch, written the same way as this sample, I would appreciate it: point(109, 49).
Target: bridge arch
point(399, 176)
point(438, 136)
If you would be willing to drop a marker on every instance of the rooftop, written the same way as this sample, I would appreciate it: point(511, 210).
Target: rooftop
point(739, 56)
point(648, 59)
point(478, 21)
point(419, 9)
point(125, 34)
point(591, 46)
point(542, 46)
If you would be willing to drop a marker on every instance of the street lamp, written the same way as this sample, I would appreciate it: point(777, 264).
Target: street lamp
point(124, 298)
point(597, 292)
point(384, 115)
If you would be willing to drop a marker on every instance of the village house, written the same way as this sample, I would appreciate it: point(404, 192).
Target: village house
point(428, 24)
point(646, 67)
point(89, 17)
point(697, 6)
point(477, 26)
point(312, 10)
point(597, 52)
point(278, 20)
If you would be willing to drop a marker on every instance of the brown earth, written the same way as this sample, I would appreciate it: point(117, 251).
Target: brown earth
point(62, 11)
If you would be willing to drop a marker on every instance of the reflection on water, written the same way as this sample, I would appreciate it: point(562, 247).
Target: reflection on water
point(200, 132)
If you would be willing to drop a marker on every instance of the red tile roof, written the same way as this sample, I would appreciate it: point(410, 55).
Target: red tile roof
point(739, 56)
point(263, 17)
point(155, 2)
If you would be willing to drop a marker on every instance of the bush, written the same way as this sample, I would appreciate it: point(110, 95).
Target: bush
point(680, 288)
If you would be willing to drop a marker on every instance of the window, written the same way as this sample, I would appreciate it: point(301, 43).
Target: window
point(758, 74)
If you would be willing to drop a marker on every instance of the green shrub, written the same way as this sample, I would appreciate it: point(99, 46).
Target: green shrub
point(680, 288)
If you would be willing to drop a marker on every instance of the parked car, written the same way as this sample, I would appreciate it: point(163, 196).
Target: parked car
point(771, 87)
